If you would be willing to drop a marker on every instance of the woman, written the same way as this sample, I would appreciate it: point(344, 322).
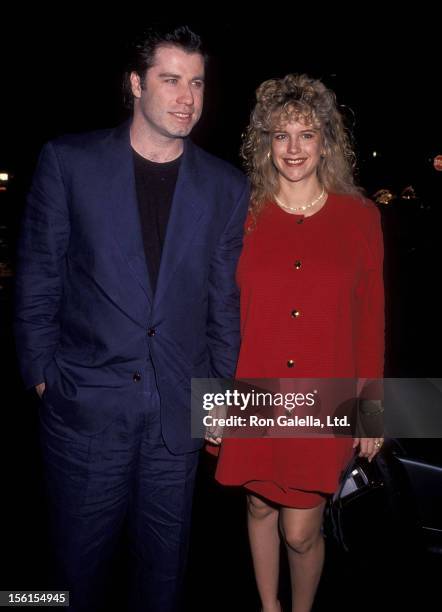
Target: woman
point(311, 306)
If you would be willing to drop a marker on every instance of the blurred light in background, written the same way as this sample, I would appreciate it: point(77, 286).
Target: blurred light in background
point(408, 193)
point(383, 196)
point(437, 162)
point(4, 178)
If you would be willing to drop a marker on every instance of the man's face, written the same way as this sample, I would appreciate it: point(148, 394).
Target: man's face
point(171, 101)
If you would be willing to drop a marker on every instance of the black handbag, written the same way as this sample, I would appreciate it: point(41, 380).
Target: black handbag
point(360, 514)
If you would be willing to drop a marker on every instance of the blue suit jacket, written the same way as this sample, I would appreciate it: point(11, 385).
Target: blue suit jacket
point(84, 304)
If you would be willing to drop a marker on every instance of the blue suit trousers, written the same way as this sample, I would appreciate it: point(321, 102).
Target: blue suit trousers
point(122, 477)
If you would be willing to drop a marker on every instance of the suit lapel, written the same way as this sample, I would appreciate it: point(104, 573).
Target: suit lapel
point(124, 205)
point(187, 208)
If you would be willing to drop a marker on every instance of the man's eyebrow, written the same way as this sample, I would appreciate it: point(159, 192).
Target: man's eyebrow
point(171, 75)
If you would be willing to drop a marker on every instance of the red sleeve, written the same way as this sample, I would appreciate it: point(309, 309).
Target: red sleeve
point(370, 310)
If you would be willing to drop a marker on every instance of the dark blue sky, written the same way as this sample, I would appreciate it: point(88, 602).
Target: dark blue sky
point(63, 74)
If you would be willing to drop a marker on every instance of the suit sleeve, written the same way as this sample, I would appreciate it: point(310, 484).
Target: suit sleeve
point(223, 329)
point(370, 315)
point(40, 261)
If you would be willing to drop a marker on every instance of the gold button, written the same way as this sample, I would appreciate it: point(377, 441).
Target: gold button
point(297, 264)
point(290, 363)
point(295, 313)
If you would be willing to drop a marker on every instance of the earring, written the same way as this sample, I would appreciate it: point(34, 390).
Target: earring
point(269, 155)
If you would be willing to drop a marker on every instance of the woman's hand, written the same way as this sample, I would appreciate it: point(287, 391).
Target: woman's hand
point(214, 435)
point(368, 447)
point(214, 432)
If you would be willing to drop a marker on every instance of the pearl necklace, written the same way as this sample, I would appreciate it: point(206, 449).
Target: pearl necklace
point(297, 208)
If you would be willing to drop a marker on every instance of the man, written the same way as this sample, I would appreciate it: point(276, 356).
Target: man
point(115, 315)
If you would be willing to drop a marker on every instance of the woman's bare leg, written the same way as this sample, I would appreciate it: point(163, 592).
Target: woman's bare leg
point(301, 529)
point(262, 521)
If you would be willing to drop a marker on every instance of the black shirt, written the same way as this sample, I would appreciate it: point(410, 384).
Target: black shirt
point(155, 185)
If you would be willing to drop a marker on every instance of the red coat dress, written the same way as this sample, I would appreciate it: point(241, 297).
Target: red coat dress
point(327, 267)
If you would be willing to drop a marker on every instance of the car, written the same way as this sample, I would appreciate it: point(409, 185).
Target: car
point(391, 505)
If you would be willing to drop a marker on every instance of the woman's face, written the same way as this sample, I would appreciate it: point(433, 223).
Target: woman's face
point(296, 150)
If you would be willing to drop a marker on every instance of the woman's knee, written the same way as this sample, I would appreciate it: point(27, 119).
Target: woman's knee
point(299, 540)
point(258, 508)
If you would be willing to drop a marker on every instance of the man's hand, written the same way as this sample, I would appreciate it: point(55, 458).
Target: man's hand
point(40, 389)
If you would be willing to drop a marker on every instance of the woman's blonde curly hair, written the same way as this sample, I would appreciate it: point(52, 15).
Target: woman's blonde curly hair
point(297, 97)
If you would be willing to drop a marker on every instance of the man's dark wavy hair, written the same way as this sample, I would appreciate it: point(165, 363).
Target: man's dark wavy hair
point(142, 52)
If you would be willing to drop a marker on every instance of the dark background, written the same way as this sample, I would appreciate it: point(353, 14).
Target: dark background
point(62, 74)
